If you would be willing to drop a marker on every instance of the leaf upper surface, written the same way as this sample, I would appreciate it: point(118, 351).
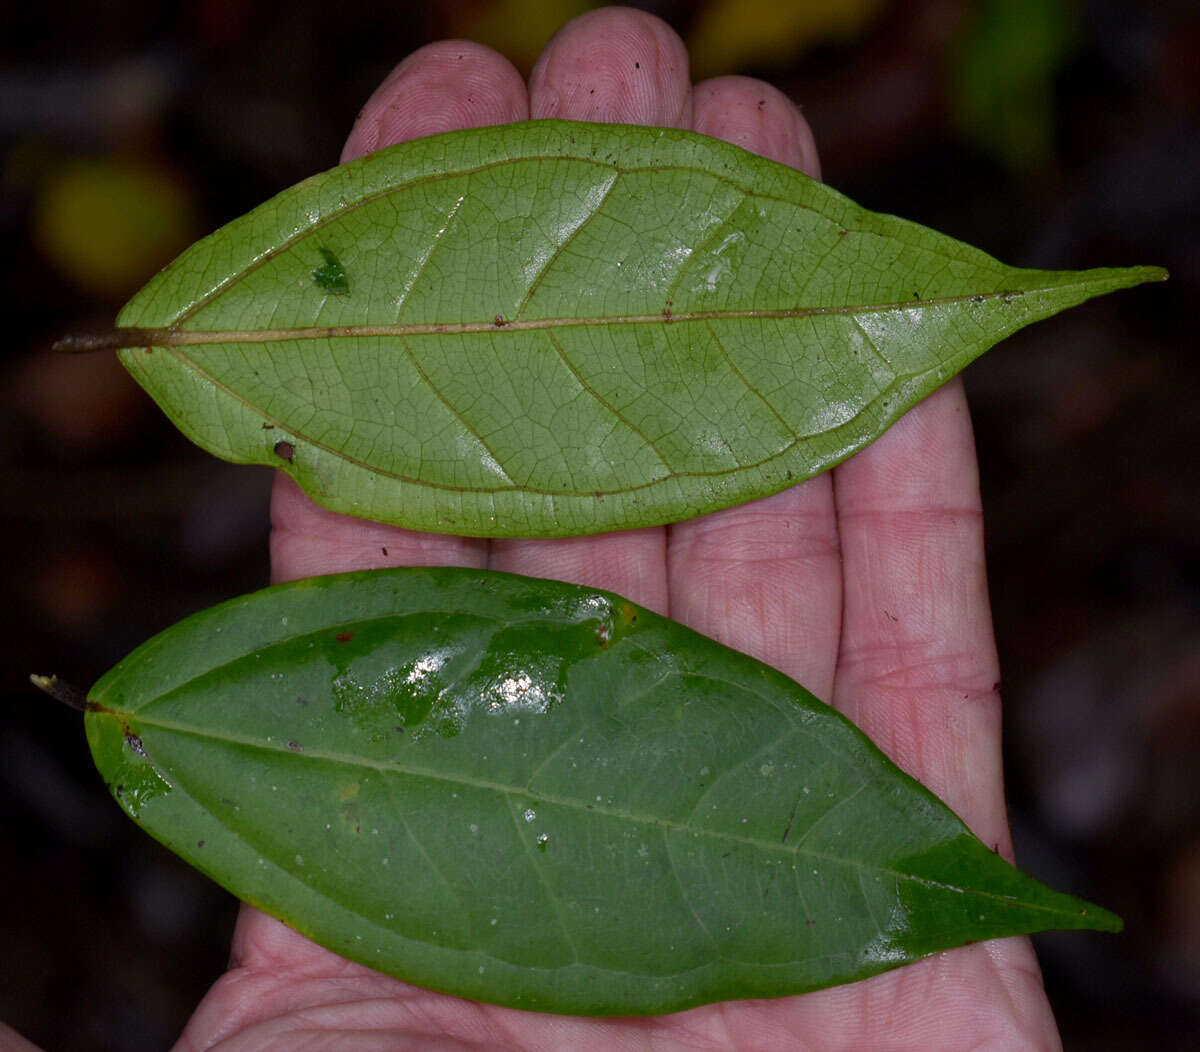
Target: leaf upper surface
point(540, 795)
point(556, 328)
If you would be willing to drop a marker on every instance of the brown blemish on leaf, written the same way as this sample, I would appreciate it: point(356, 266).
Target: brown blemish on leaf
point(345, 637)
point(285, 450)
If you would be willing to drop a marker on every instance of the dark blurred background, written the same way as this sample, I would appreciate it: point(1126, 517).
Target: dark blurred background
point(1051, 133)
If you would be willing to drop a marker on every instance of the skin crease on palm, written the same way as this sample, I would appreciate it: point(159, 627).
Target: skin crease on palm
point(866, 584)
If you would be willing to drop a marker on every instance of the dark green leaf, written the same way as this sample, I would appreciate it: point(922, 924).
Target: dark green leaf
point(540, 795)
point(555, 328)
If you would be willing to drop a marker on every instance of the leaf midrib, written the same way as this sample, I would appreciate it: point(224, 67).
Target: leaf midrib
point(171, 336)
point(797, 851)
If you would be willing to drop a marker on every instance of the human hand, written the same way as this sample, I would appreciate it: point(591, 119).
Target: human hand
point(865, 584)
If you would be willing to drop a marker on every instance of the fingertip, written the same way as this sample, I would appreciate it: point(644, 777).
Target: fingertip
point(442, 86)
point(758, 117)
point(614, 64)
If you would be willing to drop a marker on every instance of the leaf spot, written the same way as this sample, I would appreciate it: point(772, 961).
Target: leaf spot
point(285, 450)
point(331, 277)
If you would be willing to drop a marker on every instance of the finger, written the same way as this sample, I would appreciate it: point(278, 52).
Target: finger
point(615, 64)
point(452, 84)
point(763, 577)
point(442, 86)
point(757, 117)
point(918, 669)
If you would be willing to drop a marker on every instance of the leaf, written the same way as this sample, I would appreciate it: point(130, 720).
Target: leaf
point(555, 328)
point(540, 795)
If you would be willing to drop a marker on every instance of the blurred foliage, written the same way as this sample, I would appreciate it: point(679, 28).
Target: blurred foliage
point(732, 35)
point(108, 223)
point(1001, 77)
point(518, 29)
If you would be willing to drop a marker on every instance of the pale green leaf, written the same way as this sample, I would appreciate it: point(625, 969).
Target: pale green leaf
point(554, 328)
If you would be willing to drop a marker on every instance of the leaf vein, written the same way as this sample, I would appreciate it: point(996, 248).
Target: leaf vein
point(669, 298)
point(749, 386)
point(607, 405)
point(838, 803)
point(686, 899)
point(541, 876)
point(457, 413)
point(447, 222)
point(570, 238)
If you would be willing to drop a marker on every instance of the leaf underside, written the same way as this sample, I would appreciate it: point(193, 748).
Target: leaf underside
point(557, 328)
point(540, 795)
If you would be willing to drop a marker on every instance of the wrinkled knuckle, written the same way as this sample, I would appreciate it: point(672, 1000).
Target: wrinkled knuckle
point(759, 537)
point(920, 666)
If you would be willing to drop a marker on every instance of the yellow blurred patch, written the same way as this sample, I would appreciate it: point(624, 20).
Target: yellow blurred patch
point(108, 223)
point(732, 35)
point(518, 29)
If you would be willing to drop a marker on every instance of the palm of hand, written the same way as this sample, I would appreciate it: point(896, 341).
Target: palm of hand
point(865, 584)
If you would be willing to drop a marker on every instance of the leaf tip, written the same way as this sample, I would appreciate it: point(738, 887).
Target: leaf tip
point(1100, 919)
point(1130, 276)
